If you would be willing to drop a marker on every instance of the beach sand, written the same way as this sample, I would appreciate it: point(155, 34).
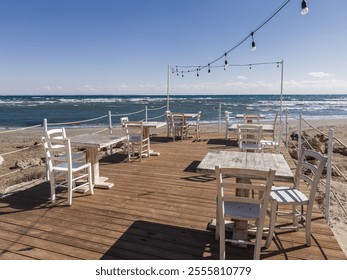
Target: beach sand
point(29, 141)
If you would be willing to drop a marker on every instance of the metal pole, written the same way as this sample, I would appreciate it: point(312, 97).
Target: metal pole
point(146, 113)
point(220, 117)
point(109, 122)
point(328, 178)
point(168, 89)
point(299, 136)
point(286, 128)
point(281, 100)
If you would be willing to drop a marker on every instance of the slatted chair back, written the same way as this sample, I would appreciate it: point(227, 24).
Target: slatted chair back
point(249, 137)
point(233, 201)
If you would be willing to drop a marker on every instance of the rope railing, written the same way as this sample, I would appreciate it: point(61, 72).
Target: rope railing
point(157, 117)
point(20, 129)
point(128, 114)
point(330, 166)
point(155, 109)
point(81, 121)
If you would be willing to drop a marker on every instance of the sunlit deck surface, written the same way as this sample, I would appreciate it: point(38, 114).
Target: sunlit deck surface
point(158, 209)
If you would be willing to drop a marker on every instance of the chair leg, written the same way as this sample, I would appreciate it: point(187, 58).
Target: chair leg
point(91, 187)
point(53, 185)
point(70, 186)
point(258, 239)
point(222, 240)
point(308, 227)
point(273, 216)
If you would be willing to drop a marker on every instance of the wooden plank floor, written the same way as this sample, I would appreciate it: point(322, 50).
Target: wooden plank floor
point(159, 209)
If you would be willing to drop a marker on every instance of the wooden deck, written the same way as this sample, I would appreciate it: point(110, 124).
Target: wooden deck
point(158, 209)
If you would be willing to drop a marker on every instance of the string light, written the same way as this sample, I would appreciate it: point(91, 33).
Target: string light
point(304, 9)
point(225, 61)
point(226, 64)
point(254, 47)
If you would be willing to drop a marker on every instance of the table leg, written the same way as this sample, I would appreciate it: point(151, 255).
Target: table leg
point(240, 230)
point(92, 157)
point(146, 135)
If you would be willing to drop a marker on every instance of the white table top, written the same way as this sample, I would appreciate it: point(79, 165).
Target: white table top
point(246, 160)
point(147, 124)
point(266, 127)
point(241, 116)
point(96, 140)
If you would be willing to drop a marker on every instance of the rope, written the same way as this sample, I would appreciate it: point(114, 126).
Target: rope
point(95, 132)
point(153, 109)
point(20, 150)
point(3, 175)
point(122, 115)
point(19, 129)
point(335, 195)
point(157, 117)
point(83, 121)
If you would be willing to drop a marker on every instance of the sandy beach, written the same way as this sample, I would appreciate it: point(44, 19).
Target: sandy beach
point(29, 142)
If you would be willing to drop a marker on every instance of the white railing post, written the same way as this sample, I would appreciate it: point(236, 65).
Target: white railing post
point(299, 136)
point(328, 177)
point(220, 117)
point(146, 113)
point(287, 128)
point(110, 122)
point(45, 125)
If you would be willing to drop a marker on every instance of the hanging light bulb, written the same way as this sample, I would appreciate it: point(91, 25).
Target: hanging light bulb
point(304, 9)
point(182, 74)
point(250, 66)
point(197, 72)
point(253, 43)
point(225, 61)
point(209, 69)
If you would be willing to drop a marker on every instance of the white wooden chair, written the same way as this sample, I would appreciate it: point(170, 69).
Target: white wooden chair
point(178, 125)
point(137, 145)
point(275, 142)
point(231, 206)
point(309, 170)
point(251, 118)
point(63, 171)
point(60, 133)
point(249, 137)
point(195, 126)
point(228, 123)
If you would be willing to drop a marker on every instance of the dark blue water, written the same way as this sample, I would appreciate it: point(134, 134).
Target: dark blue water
point(22, 111)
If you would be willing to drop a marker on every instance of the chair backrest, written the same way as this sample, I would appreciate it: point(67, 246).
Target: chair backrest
point(55, 133)
point(309, 170)
point(134, 131)
point(249, 134)
point(227, 118)
point(123, 120)
point(54, 148)
point(251, 118)
point(178, 120)
point(248, 180)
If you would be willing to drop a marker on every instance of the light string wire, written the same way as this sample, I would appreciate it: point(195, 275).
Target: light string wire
point(193, 68)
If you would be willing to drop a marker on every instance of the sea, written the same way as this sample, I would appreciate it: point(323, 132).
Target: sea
point(92, 110)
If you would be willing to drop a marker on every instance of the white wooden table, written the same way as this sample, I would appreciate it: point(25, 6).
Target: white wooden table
point(92, 143)
point(266, 128)
point(146, 130)
point(246, 160)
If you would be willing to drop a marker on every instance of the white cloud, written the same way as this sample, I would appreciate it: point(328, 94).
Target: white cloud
point(241, 78)
point(319, 74)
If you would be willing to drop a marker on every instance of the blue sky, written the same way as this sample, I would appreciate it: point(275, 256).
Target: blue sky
point(124, 47)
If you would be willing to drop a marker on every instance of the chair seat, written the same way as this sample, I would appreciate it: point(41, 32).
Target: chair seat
point(288, 195)
point(63, 166)
point(242, 211)
point(249, 146)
